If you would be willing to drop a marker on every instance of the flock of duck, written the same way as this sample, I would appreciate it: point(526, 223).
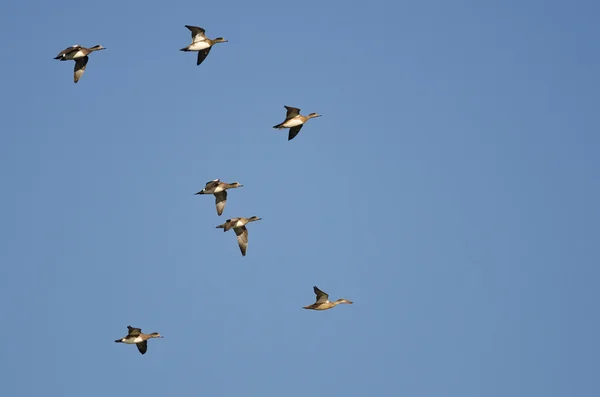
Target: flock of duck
point(294, 121)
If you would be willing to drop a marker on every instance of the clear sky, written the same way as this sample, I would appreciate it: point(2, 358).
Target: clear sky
point(450, 190)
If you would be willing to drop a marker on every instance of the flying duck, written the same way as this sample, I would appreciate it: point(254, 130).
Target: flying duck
point(239, 226)
point(78, 54)
point(201, 43)
point(294, 121)
point(219, 189)
point(136, 337)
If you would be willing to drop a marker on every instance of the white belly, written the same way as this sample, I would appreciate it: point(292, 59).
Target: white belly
point(292, 123)
point(198, 46)
point(133, 341)
point(74, 55)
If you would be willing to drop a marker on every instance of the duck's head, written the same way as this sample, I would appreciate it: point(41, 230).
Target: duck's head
point(98, 47)
point(312, 115)
point(343, 301)
point(219, 40)
point(156, 335)
point(235, 184)
point(254, 218)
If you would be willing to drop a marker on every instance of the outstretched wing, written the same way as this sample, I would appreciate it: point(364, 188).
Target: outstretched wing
point(202, 54)
point(79, 68)
point(212, 184)
point(142, 346)
point(220, 201)
point(242, 238)
point(322, 297)
point(133, 331)
point(197, 33)
point(291, 112)
point(294, 131)
point(229, 223)
point(67, 50)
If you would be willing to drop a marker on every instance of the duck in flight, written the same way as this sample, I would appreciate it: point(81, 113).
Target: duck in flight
point(78, 54)
point(201, 43)
point(219, 189)
point(294, 121)
point(136, 337)
point(323, 303)
point(239, 227)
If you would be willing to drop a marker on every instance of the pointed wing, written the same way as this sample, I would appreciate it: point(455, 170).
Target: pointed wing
point(142, 346)
point(133, 331)
point(291, 112)
point(220, 201)
point(213, 183)
point(79, 68)
point(68, 49)
point(242, 238)
point(197, 33)
point(294, 131)
point(210, 187)
point(202, 54)
point(229, 224)
point(322, 297)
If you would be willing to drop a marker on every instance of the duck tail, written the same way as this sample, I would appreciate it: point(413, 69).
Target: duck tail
point(184, 49)
point(119, 341)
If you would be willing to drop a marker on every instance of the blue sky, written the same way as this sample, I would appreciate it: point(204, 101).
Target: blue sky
point(450, 190)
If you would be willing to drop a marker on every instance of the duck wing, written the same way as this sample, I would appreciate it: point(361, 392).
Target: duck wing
point(197, 33)
point(322, 297)
point(220, 201)
point(68, 50)
point(142, 346)
point(294, 131)
point(291, 112)
point(79, 68)
point(133, 331)
point(202, 54)
point(242, 238)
